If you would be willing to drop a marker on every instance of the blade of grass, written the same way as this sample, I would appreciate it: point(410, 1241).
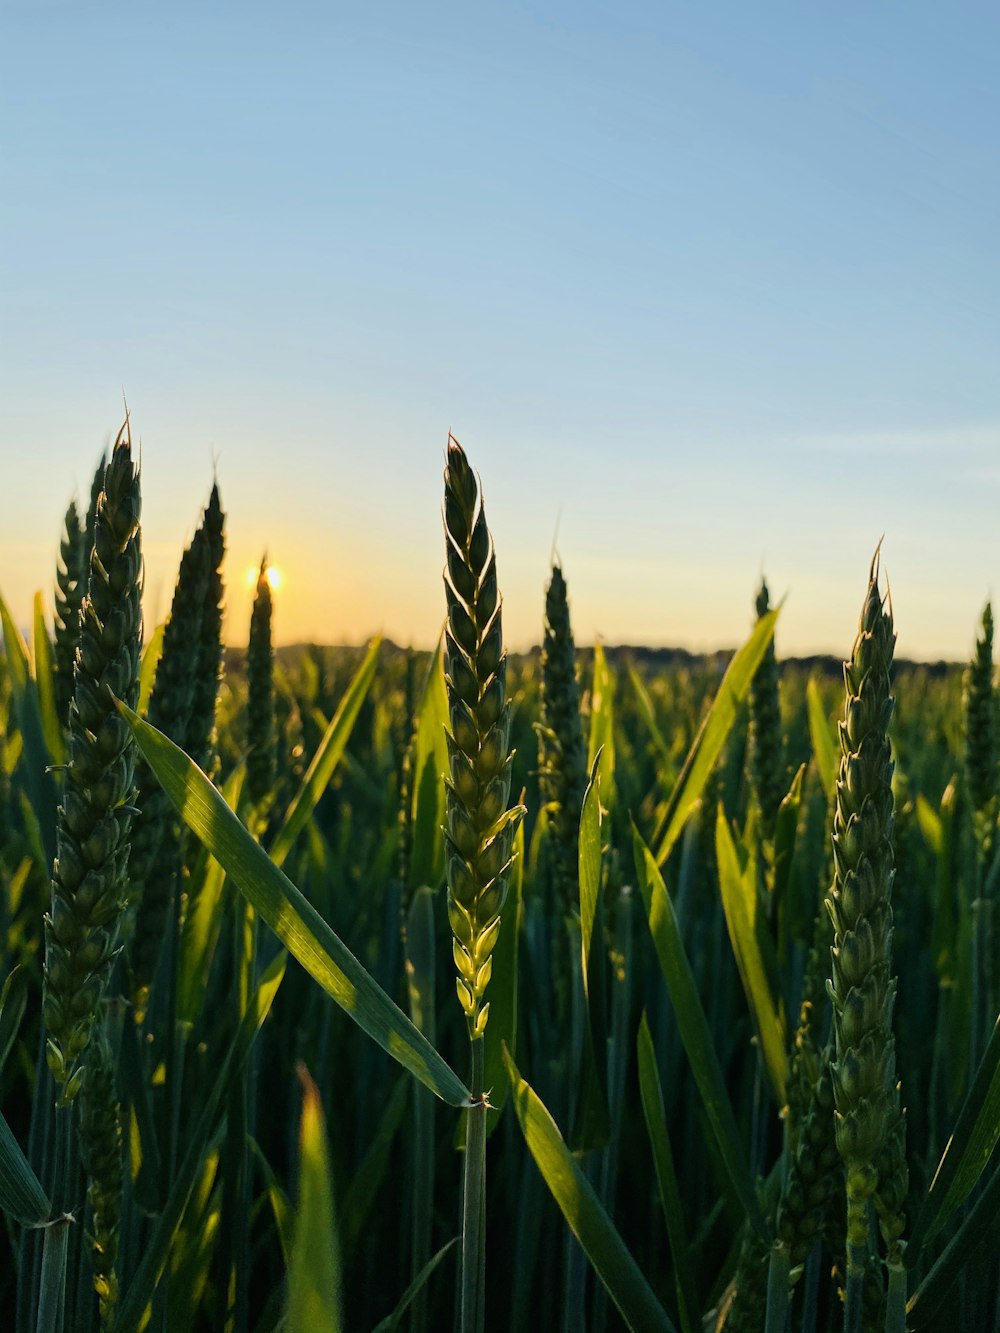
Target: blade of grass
point(712, 736)
point(52, 725)
point(391, 1322)
point(314, 1264)
point(823, 743)
point(655, 1116)
point(35, 758)
point(21, 1193)
point(324, 761)
point(151, 655)
point(430, 764)
point(694, 1030)
point(290, 915)
point(968, 1150)
point(129, 1317)
point(581, 1208)
point(739, 901)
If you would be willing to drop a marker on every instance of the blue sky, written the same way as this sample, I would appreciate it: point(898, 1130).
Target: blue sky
point(712, 288)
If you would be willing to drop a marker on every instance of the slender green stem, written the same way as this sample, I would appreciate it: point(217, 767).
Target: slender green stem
point(474, 1200)
point(895, 1310)
point(52, 1293)
point(778, 1289)
point(855, 1287)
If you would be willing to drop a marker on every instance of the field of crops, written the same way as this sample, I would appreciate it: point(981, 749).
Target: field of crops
point(374, 990)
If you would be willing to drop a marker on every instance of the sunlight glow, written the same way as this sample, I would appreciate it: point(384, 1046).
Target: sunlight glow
point(275, 577)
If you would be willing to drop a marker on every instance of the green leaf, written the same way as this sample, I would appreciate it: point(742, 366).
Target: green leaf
point(602, 720)
point(430, 765)
point(591, 1128)
point(979, 1227)
point(13, 1000)
point(823, 743)
point(712, 736)
point(284, 1214)
point(391, 1322)
point(21, 1194)
point(582, 1210)
point(324, 761)
point(930, 824)
point(739, 900)
point(786, 834)
point(135, 1298)
point(52, 725)
point(203, 920)
point(694, 1030)
point(38, 784)
point(968, 1150)
point(654, 1113)
point(649, 716)
point(314, 1267)
point(151, 655)
point(290, 915)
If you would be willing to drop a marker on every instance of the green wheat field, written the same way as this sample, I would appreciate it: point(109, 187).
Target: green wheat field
point(584, 990)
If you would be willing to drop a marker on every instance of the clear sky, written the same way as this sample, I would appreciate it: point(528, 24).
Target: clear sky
point(712, 287)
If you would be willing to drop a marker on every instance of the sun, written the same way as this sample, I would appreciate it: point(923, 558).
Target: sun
point(275, 577)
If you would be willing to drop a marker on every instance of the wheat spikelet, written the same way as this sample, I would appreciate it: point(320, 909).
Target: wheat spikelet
point(89, 874)
point(480, 829)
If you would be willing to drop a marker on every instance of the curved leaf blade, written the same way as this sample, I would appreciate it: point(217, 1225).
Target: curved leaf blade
point(582, 1210)
point(289, 914)
point(694, 1030)
point(712, 736)
point(328, 754)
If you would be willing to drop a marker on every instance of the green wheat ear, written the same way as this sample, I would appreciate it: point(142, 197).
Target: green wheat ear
point(562, 768)
point(479, 838)
point(765, 729)
point(156, 838)
point(868, 1120)
point(92, 838)
point(981, 736)
point(261, 745)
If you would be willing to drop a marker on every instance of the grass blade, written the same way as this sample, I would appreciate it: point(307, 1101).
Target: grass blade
point(968, 1150)
point(135, 1299)
point(21, 1194)
point(712, 736)
point(583, 1212)
point(694, 1029)
point(430, 764)
point(52, 725)
point(654, 1113)
point(823, 744)
point(324, 761)
point(739, 901)
point(391, 1322)
point(290, 915)
point(314, 1267)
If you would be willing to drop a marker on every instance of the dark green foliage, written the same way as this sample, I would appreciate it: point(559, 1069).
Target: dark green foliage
point(260, 695)
point(562, 755)
point(89, 875)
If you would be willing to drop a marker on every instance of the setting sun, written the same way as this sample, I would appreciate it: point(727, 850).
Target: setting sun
point(275, 577)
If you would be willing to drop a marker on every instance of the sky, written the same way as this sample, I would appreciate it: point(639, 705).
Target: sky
point(705, 291)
